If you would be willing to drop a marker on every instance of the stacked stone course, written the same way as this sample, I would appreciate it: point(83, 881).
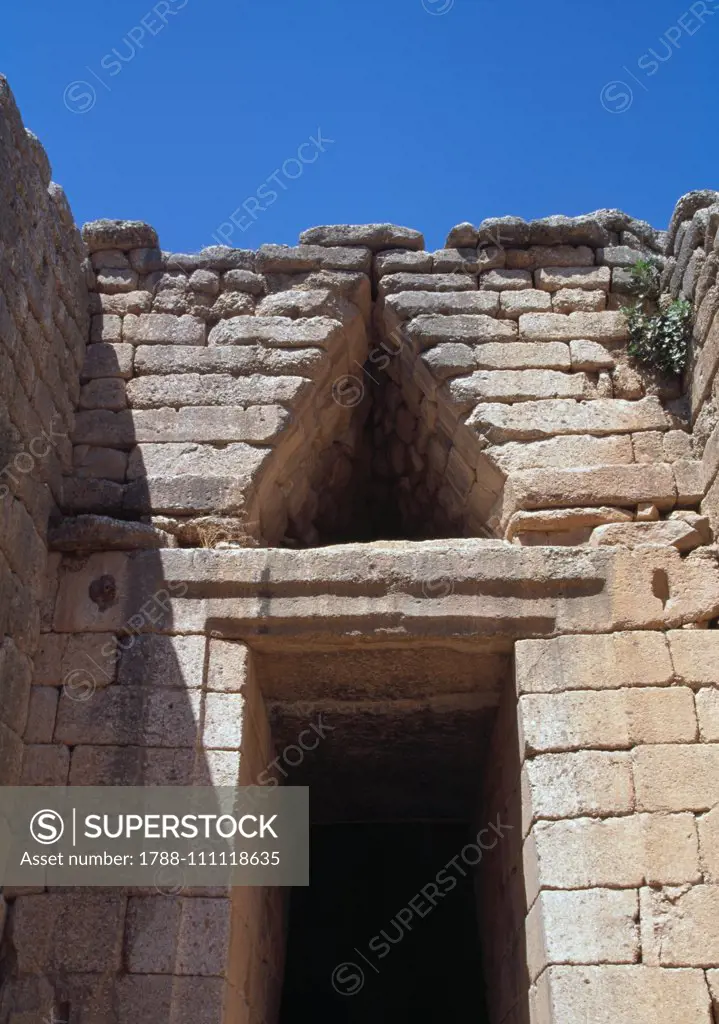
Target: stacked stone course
point(512, 484)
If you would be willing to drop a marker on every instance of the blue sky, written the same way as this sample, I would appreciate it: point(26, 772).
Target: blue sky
point(430, 112)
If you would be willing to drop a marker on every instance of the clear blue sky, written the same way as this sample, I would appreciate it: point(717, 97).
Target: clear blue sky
point(438, 110)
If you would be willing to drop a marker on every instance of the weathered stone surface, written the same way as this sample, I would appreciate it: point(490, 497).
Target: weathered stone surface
point(277, 331)
point(100, 533)
point(273, 259)
point(679, 535)
point(408, 305)
point(562, 452)
point(607, 719)
point(553, 279)
point(260, 423)
point(578, 300)
point(458, 260)
point(521, 356)
point(630, 994)
point(118, 234)
point(634, 658)
point(591, 927)
point(590, 356)
point(431, 330)
point(240, 360)
point(108, 360)
point(558, 520)
point(677, 776)
point(56, 932)
point(515, 303)
point(517, 386)
point(373, 236)
point(163, 329)
point(506, 280)
point(464, 234)
point(171, 661)
point(602, 327)
point(695, 656)
point(504, 231)
point(194, 389)
point(654, 849)
point(545, 419)
point(616, 485)
point(393, 283)
point(396, 261)
point(585, 783)
point(314, 302)
point(550, 256)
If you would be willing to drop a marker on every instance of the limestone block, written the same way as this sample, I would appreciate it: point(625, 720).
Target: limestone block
point(279, 331)
point(106, 328)
point(551, 256)
point(194, 389)
point(636, 994)
point(609, 719)
point(242, 281)
point(100, 463)
point(163, 329)
point(41, 715)
point(59, 932)
point(602, 661)
point(577, 300)
point(625, 852)
point(11, 756)
point(648, 446)
point(397, 261)
point(677, 777)
point(462, 260)
point(130, 715)
point(103, 393)
point(448, 360)
point(535, 420)
point(45, 765)
point(673, 533)
point(562, 452)
point(224, 720)
point(410, 304)
point(696, 656)
point(134, 766)
point(689, 477)
point(506, 280)
point(172, 661)
point(15, 680)
point(238, 360)
point(305, 304)
point(177, 935)
point(515, 303)
point(602, 327)
point(590, 355)
point(611, 485)
point(681, 928)
point(555, 279)
point(405, 282)
point(431, 330)
point(374, 236)
point(118, 234)
point(102, 428)
point(587, 783)
point(591, 927)
point(619, 256)
point(259, 423)
point(517, 386)
point(707, 702)
point(555, 521)
point(521, 356)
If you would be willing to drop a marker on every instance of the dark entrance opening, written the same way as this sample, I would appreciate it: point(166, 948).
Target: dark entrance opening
point(387, 929)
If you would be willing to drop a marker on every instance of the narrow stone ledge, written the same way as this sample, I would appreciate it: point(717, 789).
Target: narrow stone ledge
point(86, 533)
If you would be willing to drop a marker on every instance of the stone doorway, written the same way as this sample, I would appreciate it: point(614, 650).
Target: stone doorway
point(402, 781)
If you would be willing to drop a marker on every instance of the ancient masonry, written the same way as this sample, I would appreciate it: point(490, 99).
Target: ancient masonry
point(358, 476)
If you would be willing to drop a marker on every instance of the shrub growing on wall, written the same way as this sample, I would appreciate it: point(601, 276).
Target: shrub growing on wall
point(660, 339)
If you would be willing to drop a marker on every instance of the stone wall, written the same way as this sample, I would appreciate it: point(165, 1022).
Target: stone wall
point(43, 331)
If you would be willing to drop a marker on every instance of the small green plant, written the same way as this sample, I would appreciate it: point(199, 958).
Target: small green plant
point(660, 339)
